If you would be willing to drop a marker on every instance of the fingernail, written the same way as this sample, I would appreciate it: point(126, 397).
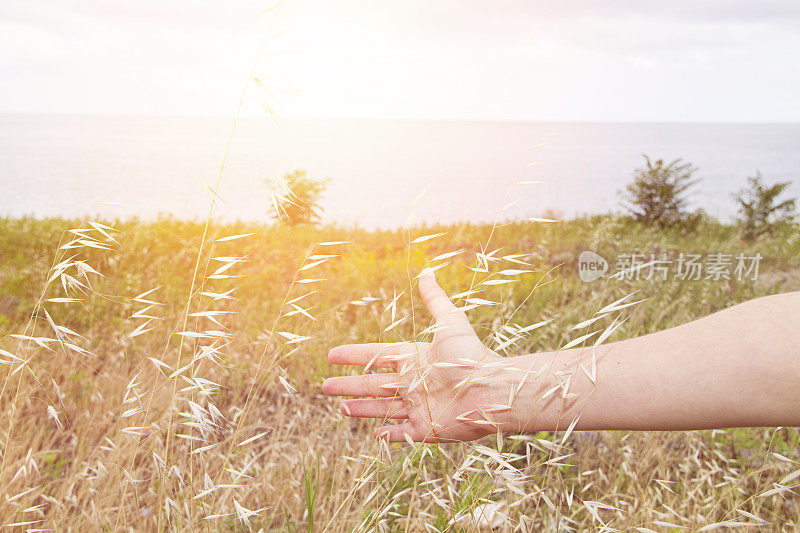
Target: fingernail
point(428, 271)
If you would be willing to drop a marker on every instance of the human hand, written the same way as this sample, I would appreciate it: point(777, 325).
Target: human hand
point(443, 391)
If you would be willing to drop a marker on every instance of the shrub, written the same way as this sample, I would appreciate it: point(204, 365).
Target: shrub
point(658, 192)
point(296, 198)
point(759, 212)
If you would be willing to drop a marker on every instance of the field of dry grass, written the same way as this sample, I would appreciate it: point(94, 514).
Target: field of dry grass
point(154, 379)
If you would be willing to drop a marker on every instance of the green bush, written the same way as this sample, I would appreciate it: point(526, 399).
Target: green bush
point(759, 210)
point(658, 192)
point(296, 198)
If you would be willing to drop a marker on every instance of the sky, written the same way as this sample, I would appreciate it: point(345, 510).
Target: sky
point(570, 60)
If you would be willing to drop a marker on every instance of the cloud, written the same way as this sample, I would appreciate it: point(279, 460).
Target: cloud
point(573, 59)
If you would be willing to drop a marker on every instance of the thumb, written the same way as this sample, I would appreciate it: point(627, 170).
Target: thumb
point(437, 301)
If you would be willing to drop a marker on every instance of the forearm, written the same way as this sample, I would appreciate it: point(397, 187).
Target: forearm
point(738, 367)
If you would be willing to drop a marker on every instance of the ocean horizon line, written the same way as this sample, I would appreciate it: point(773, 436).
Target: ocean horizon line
point(443, 120)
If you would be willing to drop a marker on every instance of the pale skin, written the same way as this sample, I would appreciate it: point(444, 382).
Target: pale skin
point(739, 367)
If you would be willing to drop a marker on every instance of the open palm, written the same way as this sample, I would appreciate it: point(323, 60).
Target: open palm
point(441, 390)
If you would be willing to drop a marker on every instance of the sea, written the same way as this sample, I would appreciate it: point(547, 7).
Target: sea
point(381, 174)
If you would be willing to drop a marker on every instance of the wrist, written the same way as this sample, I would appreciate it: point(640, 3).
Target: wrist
point(506, 400)
point(521, 383)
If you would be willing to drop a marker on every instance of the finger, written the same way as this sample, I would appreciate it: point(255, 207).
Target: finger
point(406, 432)
point(384, 408)
point(437, 302)
point(374, 355)
point(375, 385)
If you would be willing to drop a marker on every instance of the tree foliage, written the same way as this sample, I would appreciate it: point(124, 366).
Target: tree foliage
point(657, 194)
point(296, 198)
point(760, 212)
